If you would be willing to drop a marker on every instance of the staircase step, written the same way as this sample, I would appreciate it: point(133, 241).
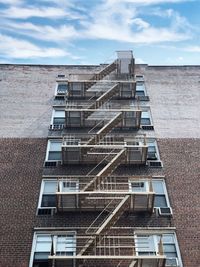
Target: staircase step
point(111, 220)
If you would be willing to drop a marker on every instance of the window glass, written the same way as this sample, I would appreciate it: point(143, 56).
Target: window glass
point(69, 186)
point(66, 243)
point(149, 245)
point(48, 201)
point(55, 155)
point(145, 114)
point(168, 238)
point(145, 118)
point(43, 243)
point(160, 201)
point(139, 186)
point(158, 186)
point(58, 120)
point(59, 113)
point(145, 245)
point(55, 145)
point(62, 88)
point(169, 248)
point(50, 187)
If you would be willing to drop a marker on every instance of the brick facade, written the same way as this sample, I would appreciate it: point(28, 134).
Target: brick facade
point(20, 188)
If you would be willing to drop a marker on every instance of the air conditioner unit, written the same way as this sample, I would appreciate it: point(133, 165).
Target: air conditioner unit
point(59, 97)
point(147, 127)
point(56, 127)
point(46, 211)
point(61, 76)
point(143, 98)
point(51, 164)
point(165, 211)
point(155, 163)
point(171, 262)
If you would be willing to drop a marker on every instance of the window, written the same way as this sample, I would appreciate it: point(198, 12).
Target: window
point(48, 194)
point(61, 88)
point(49, 187)
point(152, 150)
point(54, 150)
point(145, 118)
point(76, 88)
point(148, 244)
point(45, 244)
point(161, 198)
point(139, 186)
point(58, 117)
point(140, 89)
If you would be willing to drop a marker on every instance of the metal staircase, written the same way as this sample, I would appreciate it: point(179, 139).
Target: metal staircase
point(106, 129)
point(99, 191)
point(106, 71)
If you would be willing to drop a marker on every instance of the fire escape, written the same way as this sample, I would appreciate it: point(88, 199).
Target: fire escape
point(106, 149)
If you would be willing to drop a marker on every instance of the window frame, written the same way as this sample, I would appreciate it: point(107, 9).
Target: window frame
point(160, 233)
point(56, 88)
point(50, 233)
point(48, 150)
point(144, 88)
point(153, 140)
point(149, 117)
point(53, 115)
point(42, 193)
point(147, 188)
point(42, 186)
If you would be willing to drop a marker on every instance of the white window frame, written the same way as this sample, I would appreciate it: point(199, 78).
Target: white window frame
point(160, 233)
point(42, 193)
point(48, 149)
point(69, 189)
point(165, 192)
point(149, 116)
point(60, 184)
point(62, 233)
point(144, 87)
point(56, 88)
point(146, 181)
point(54, 112)
point(153, 140)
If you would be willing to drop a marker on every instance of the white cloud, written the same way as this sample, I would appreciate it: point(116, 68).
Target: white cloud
point(146, 2)
point(42, 32)
point(14, 48)
point(15, 12)
point(194, 49)
point(121, 23)
point(140, 23)
point(11, 2)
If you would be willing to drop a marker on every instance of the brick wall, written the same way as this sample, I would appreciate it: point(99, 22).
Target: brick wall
point(21, 162)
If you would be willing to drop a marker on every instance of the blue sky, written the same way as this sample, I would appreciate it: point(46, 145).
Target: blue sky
point(160, 32)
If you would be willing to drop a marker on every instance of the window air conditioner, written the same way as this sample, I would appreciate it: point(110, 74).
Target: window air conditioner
point(61, 76)
point(165, 212)
point(155, 163)
point(51, 164)
point(143, 98)
point(147, 127)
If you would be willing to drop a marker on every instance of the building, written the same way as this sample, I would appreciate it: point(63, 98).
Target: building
point(103, 170)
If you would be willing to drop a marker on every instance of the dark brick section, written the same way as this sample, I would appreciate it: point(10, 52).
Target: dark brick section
point(182, 169)
point(21, 169)
point(21, 162)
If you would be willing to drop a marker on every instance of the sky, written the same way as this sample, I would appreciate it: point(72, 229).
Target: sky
point(159, 32)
